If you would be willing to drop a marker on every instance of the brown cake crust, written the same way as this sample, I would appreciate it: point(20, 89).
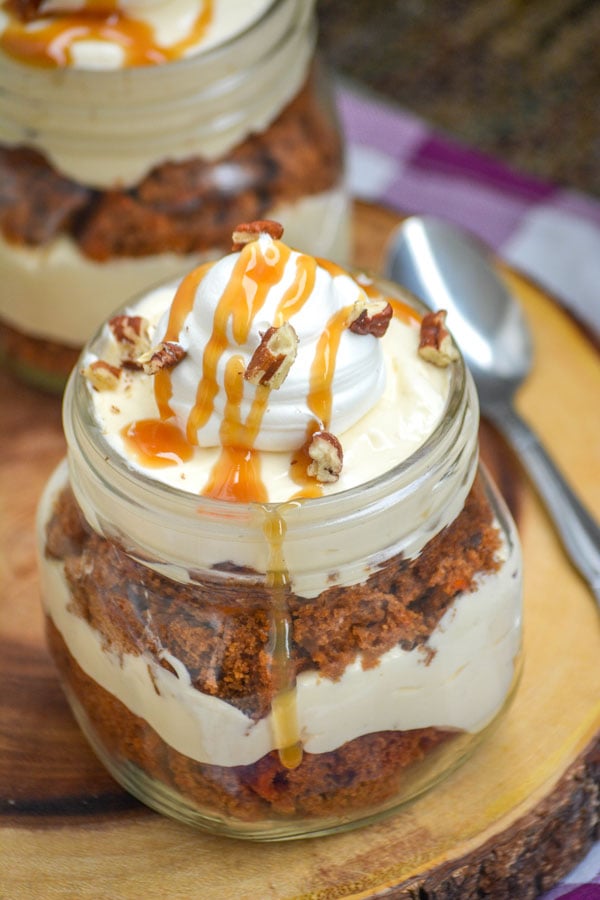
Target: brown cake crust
point(181, 207)
point(362, 774)
point(220, 625)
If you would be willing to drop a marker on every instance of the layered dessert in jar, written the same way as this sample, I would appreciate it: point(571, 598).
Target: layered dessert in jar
point(281, 595)
point(134, 135)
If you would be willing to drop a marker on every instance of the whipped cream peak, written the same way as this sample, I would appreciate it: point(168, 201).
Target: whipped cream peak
point(221, 315)
point(266, 376)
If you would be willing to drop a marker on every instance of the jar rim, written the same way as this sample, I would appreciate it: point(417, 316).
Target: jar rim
point(78, 400)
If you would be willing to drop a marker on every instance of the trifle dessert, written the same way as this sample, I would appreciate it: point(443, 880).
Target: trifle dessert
point(281, 595)
point(134, 135)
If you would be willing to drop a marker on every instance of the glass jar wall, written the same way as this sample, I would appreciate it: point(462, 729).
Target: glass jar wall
point(273, 671)
point(116, 179)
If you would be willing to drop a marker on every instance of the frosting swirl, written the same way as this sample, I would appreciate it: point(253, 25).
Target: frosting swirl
point(219, 316)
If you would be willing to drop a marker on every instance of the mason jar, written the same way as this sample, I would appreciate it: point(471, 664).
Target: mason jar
point(282, 670)
point(118, 173)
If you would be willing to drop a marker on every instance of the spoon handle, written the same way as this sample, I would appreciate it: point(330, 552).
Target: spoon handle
point(579, 532)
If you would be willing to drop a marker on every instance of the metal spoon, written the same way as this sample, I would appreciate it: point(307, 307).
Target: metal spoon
point(449, 270)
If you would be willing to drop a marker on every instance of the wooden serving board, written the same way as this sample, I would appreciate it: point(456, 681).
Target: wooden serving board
point(507, 824)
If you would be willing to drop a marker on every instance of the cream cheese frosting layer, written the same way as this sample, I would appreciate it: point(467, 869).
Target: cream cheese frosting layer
point(461, 686)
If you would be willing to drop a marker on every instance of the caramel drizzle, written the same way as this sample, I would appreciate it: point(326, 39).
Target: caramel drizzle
point(309, 487)
point(50, 44)
point(155, 443)
point(180, 308)
point(319, 401)
point(300, 290)
point(253, 276)
point(331, 267)
point(404, 312)
point(320, 395)
point(236, 477)
point(236, 473)
point(283, 671)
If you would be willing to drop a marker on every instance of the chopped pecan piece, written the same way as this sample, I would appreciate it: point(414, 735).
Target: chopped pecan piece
point(102, 376)
point(435, 343)
point(127, 329)
point(370, 316)
point(251, 231)
point(327, 457)
point(273, 358)
point(164, 356)
point(131, 334)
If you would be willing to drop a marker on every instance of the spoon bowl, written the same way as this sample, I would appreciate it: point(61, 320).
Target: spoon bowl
point(448, 269)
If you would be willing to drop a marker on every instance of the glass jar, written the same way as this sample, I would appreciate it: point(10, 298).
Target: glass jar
point(274, 671)
point(113, 180)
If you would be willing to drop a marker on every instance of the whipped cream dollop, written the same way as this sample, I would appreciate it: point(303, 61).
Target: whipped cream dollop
point(235, 303)
point(205, 413)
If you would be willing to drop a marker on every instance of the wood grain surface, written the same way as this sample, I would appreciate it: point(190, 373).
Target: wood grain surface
point(508, 824)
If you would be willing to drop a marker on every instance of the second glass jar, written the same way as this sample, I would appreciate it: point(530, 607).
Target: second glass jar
point(115, 180)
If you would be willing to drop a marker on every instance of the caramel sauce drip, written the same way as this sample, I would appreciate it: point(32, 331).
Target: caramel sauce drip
point(253, 276)
point(180, 307)
point(320, 395)
point(331, 267)
point(403, 311)
point(49, 42)
point(155, 443)
point(298, 293)
point(234, 432)
point(236, 474)
point(283, 670)
point(309, 487)
point(236, 477)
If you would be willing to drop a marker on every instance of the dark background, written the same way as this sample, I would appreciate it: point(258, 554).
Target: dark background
point(519, 79)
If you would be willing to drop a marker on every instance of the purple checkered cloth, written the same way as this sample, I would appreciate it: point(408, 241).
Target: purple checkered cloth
point(550, 233)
